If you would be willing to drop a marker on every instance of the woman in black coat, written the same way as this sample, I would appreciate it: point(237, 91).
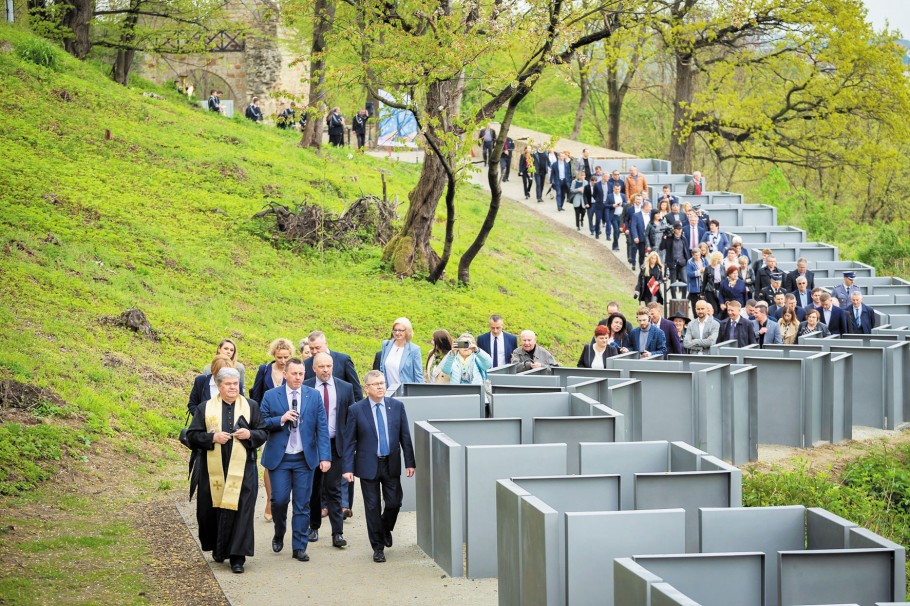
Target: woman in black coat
point(651, 269)
point(594, 355)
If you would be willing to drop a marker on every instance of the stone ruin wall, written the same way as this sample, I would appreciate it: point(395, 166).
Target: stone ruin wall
point(263, 68)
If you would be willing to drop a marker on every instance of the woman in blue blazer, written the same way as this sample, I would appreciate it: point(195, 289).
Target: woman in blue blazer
point(400, 360)
point(271, 375)
point(732, 289)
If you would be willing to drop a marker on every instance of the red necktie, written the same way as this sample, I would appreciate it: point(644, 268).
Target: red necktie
point(325, 398)
point(698, 188)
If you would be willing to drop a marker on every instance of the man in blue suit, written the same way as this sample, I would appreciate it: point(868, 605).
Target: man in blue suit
point(692, 231)
point(337, 398)
point(342, 365)
point(637, 225)
point(614, 202)
point(560, 179)
point(298, 443)
point(497, 343)
point(859, 318)
point(376, 436)
point(648, 339)
point(832, 315)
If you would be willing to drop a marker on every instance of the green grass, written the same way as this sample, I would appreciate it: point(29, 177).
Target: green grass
point(159, 217)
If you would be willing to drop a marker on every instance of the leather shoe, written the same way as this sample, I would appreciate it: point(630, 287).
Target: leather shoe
point(237, 568)
point(277, 543)
point(379, 556)
point(388, 538)
point(219, 560)
point(302, 555)
point(347, 513)
point(338, 540)
point(313, 536)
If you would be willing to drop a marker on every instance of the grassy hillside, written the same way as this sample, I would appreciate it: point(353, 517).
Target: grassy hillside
point(159, 217)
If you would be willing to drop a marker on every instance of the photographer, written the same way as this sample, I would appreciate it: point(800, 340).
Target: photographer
point(335, 123)
point(466, 364)
point(360, 127)
point(677, 255)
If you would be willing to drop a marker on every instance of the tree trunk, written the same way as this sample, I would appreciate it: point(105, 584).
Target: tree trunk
point(316, 107)
point(614, 108)
point(76, 19)
point(583, 101)
point(410, 252)
point(123, 62)
point(464, 265)
point(680, 154)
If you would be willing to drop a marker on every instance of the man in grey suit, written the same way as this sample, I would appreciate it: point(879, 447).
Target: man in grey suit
point(702, 333)
point(767, 331)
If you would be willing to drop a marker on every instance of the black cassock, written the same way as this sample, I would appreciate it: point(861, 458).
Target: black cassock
point(224, 532)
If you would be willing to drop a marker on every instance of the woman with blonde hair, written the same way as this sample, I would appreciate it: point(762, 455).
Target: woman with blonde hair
point(400, 359)
point(269, 376)
point(651, 270)
point(228, 348)
point(789, 327)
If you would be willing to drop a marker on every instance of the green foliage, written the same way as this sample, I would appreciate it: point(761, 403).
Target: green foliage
point(40, 52)
point(873, 491)
point(160, 218)
point(30, 454)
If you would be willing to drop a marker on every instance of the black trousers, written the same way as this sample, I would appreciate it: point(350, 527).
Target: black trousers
point(379, 520)
point(527, 181)
point(539, 180)
point(579, 216)
point(361, 138)
point(327, 486)
point(676, 273)
point(505, 167)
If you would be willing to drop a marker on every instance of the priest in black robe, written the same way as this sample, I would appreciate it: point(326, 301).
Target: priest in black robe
point(228, 430)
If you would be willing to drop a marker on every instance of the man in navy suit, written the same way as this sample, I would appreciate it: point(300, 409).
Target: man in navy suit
point(376, 436)
point(497, 343)
point(736, 328)
point(801, 270)
point(692, 231)
point(637, 225)
point(561, 179)
point(646, 338)
point(832, 315)
point(613, 205)
point(859, 318)
point(337, 398)
point(342, 365)
point(298, 443)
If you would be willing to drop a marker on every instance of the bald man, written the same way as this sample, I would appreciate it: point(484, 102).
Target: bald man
point(530, 354)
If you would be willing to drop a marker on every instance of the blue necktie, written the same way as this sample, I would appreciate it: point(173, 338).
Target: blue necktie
point(380, 427)
point(495, 351)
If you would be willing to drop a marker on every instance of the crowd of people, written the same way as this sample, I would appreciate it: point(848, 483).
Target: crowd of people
point(319, 427)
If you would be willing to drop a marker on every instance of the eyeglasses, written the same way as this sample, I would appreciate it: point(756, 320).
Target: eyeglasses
point(397, 330)
point(382, 384)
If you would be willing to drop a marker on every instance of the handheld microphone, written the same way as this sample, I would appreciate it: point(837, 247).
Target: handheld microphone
point(294, 408)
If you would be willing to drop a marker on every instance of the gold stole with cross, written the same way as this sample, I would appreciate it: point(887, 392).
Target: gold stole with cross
point(225, 490)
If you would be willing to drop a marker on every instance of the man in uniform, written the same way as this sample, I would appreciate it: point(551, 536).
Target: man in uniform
point(842, 292)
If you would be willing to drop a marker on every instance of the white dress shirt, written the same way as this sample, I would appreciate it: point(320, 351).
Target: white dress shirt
point(294, 444)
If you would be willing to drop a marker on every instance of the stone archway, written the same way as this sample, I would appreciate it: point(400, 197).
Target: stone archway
point(204, 81)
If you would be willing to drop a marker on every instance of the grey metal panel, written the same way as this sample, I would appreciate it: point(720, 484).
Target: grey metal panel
point(572, 431)
point(448, 504)
point(898, 357)
point(581, 405)
point(668, 405)
point(508, 541)
point(729, 579)
point(781, 397)
point(625, 396)
point(523, 389)
point(813, 378)
point(528, 406)
point(525, 380)
point(541, 581)
point(837, 419)
point(869, 394)
point(439, 389)
point(424, 486)
point(471, 432)
point(764, 529)
point(709, 463)
point(741, 414)
point(629, 364)
point(631, 586)
point(594, 539)
point(861, 576)
point(562, 373)
point(689, 490)
point(684, 457)
point(824, 530)
point(862, 538)
point(689, 359)
point(663, 594)
point(505, 369)
point(575, 493)
point(625, 459)
point(595, 389)
point(423, 408)
point(709, 418)
point(483, 466)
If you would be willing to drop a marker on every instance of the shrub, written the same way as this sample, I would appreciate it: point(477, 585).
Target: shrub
point(39, 51)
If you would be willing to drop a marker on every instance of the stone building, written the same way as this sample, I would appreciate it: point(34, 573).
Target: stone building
point(241, 66)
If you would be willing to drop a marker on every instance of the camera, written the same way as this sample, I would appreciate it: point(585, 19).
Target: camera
point(463, 344)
